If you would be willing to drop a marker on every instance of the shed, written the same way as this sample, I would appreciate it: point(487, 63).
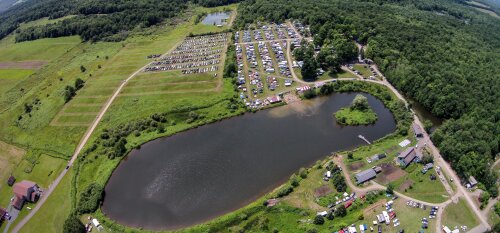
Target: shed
point(95, 222)
point(417, 130)
point(472, 181)
point(11, 180)
point(365, 175)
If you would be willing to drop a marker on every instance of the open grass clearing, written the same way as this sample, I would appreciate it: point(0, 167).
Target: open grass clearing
point(10, 78)
point(173, 87)
point(76, 118)
point(342, 74)
point(420, 186)
point(82, 109)
point(458, 215)
point(41, 170)
point(42, 49)
point(363, 69)
point(10, 157)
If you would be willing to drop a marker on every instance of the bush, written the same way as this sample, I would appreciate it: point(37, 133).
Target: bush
point(90, 199)
point(303, 173)
point(319, 220)
point(341, 211)
point(285, 191)
point(73, 225)
point(309, 94)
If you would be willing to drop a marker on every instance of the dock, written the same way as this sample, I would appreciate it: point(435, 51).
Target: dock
point(364, 139)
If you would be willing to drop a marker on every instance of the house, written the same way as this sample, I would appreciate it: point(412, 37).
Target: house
point(472, 181)
point(365, 175)
point(408, 156)
point(11, 181)
point(417, 130)
point(25, 191)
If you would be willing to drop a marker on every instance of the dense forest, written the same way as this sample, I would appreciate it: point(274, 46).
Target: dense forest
point(442, 53)
point(108, 20)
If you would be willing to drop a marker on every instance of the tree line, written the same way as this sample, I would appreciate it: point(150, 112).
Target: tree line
point(443, 54)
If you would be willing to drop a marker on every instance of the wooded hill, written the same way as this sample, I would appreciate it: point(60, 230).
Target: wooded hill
point(442, 53)
point(108, 20)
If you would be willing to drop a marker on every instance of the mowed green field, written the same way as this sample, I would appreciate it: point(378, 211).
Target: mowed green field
point(38, 50)
point(459, 214)
point(11, 77)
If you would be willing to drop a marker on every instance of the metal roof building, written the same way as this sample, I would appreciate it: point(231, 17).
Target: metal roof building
point(365, 175)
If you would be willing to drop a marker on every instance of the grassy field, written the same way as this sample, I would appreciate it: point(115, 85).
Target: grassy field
point(348, 116)
point(420, 186)
point(342, 74)
point(43, 49)
point(10, 157)
point(47, 220)
point(459, 215)
point(364, 70)
point(10, 78)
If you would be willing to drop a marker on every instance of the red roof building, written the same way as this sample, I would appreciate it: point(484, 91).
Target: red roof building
point(25, 191)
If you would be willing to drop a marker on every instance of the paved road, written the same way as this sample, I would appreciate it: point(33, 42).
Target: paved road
point(79, 148)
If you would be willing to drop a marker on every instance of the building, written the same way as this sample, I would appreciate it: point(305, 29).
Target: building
point(409, 155)
point(25, 191)
point(472, 181)
point(417, 130)
point(11, 181)
point(365, 175)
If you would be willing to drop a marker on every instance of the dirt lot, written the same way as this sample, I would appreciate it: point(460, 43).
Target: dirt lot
point(322, 191)
point(405, 185)
point(356, 165)
point(389, 173)
point(28, 65)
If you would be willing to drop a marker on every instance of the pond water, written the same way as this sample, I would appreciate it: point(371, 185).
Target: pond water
point(200, 174)
point(424, 114)
point(218, 18)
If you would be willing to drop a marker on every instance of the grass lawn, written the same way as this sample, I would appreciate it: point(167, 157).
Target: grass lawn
point(52, 221)
point(493, 217)
point(459, 215)
point(422, 187)
point(10, 78)
point(44, 170)
point(348, 116)
point(342, 74)
point(364, 70)
point(10, 157)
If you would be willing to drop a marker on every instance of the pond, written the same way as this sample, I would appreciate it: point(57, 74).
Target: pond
point(200, 174)
point(218, 18)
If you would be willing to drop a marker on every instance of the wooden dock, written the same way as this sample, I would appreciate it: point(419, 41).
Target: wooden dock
point(364, 139)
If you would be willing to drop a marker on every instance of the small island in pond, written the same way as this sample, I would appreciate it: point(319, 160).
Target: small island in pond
point(359, 113)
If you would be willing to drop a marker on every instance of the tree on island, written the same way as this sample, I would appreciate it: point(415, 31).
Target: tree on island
point(360, 103)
